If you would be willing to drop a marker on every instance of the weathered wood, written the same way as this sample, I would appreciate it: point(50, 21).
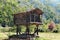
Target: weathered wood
point(19, 19)
point(27, 17)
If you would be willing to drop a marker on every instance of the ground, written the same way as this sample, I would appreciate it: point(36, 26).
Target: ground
point(50, 36)
point(43, 36)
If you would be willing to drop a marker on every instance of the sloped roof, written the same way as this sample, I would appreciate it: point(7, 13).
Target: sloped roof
point(36, 10)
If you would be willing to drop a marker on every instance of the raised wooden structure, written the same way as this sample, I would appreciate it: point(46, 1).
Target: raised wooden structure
point(27, 18)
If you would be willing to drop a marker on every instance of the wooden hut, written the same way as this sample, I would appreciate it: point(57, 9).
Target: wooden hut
point(27, 18)
point(32, 17)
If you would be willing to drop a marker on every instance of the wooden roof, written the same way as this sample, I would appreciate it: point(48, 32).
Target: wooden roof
point(36, 10)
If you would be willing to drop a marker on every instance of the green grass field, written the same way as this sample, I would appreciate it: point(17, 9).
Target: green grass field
point(50, 36)
point(43, 36)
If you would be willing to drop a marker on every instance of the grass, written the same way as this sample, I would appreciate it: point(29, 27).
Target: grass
point(43, 36)
point(3, 36)
point(40, 38)
point(50, 36)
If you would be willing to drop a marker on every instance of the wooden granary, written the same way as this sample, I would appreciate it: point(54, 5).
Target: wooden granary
point(32, 17)
point(29, 17)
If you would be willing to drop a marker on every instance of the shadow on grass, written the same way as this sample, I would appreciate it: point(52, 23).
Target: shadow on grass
point(37, 38)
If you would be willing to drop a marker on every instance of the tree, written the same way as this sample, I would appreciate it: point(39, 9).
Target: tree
point(7, 9)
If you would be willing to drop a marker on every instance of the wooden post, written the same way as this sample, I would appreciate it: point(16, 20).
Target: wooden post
point(30, 17)
point(37, 29)
point(27, 29)
point(18, 30)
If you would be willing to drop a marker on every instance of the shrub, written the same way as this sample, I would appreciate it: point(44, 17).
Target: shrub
point(57, 28)
point(41, 30)
point(55, 31)
point(4, 29)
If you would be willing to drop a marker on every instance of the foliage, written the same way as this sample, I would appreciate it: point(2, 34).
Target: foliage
point(10, 7)
point(57, 28)
point(4, 29)
point(7, 9)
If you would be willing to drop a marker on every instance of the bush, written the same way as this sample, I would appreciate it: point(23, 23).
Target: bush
point(41, 30)
point(4, 29)
point(12, 29)
point(7, 29)
point(55, 31)
point(57, 28)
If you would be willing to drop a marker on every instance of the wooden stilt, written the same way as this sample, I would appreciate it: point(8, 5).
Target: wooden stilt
point(37, 29)
point(27, 29)
point(17, 30)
